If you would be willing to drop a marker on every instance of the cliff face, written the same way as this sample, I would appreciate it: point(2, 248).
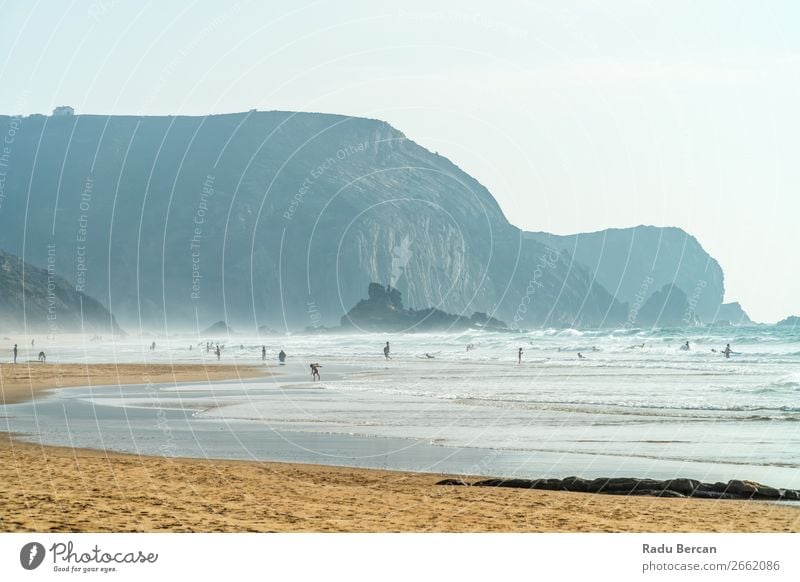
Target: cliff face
point(732, 313)
point(277, 219)
point(634, 263)
point(38, 300)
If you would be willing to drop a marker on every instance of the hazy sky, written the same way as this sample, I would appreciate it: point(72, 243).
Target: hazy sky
point(576, 115)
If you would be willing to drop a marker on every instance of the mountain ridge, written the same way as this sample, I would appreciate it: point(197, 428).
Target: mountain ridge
point(281, 219)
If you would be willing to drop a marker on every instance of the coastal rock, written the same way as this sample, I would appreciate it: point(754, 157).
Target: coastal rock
point(219, 328)
point(668, 307)
point(676, 488)
point(383, 311)
point(683, 486)
point(732, 314)
point(636, 262)
point(453, 482)
point(40, 300)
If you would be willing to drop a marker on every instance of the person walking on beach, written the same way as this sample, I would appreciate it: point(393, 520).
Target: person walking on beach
point(386, 351)
point(315, 372)
point(281, 357)
point(263, 353)
point(519, 356)
point(727, 351)
point(15, 353)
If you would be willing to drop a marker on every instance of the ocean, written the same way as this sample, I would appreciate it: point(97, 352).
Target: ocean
point(635, 405)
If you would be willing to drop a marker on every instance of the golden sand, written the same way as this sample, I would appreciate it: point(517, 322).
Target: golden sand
point(61, 489)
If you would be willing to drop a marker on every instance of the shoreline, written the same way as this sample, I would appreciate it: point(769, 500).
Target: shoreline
point(52, 488)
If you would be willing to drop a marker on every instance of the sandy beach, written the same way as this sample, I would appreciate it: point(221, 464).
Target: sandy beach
point(58, 489)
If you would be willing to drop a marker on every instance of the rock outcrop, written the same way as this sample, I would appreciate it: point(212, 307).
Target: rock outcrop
point(667, 307)
point(733, 314)
point(219, 328)
point(633, 263)
point(383, 311)
point(734, 489)
point(39, 300)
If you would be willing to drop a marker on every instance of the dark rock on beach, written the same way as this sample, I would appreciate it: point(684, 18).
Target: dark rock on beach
point(677, 488)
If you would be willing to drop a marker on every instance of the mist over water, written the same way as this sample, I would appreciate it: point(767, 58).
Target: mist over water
point(637, 404)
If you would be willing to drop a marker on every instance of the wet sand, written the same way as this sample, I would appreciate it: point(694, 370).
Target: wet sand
point(61, 489)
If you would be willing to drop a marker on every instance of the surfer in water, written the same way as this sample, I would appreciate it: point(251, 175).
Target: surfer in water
point(581, 356)
point(315, 372)
point(685, 347)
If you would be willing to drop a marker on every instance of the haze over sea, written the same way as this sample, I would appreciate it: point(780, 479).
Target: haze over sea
point(652, 411)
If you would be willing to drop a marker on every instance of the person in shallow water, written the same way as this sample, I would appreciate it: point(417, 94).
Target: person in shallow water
point(315, 371)
point(281, 356)
point(685, 347)
point(727, 351)
point(263, 353)
point(519, 356)
point(386, 351)
point(42, 357)
point(218, 352)
point(581, 356)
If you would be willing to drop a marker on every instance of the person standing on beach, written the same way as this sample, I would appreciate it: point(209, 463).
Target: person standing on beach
point(386, 351)
point(15, 353)
point(727, 351)
point(263, 353)
point(519, 356)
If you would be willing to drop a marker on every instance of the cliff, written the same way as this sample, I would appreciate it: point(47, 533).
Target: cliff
point(633, 263)
point(39, 300)
point(274, 219)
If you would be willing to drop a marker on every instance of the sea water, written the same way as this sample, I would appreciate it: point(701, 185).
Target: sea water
point(635, 404)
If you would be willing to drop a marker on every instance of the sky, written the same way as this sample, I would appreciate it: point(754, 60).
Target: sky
point(577, 116)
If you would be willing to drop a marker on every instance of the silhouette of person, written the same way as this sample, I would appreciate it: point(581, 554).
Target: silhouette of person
point(15, 353)
point(519, 356)
point(581, 356)
point(281, 356)
point(263, 353)
point(727, 351)
point(315, 371)
point(386, 351)
point(42, 357)
point(218, 352)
